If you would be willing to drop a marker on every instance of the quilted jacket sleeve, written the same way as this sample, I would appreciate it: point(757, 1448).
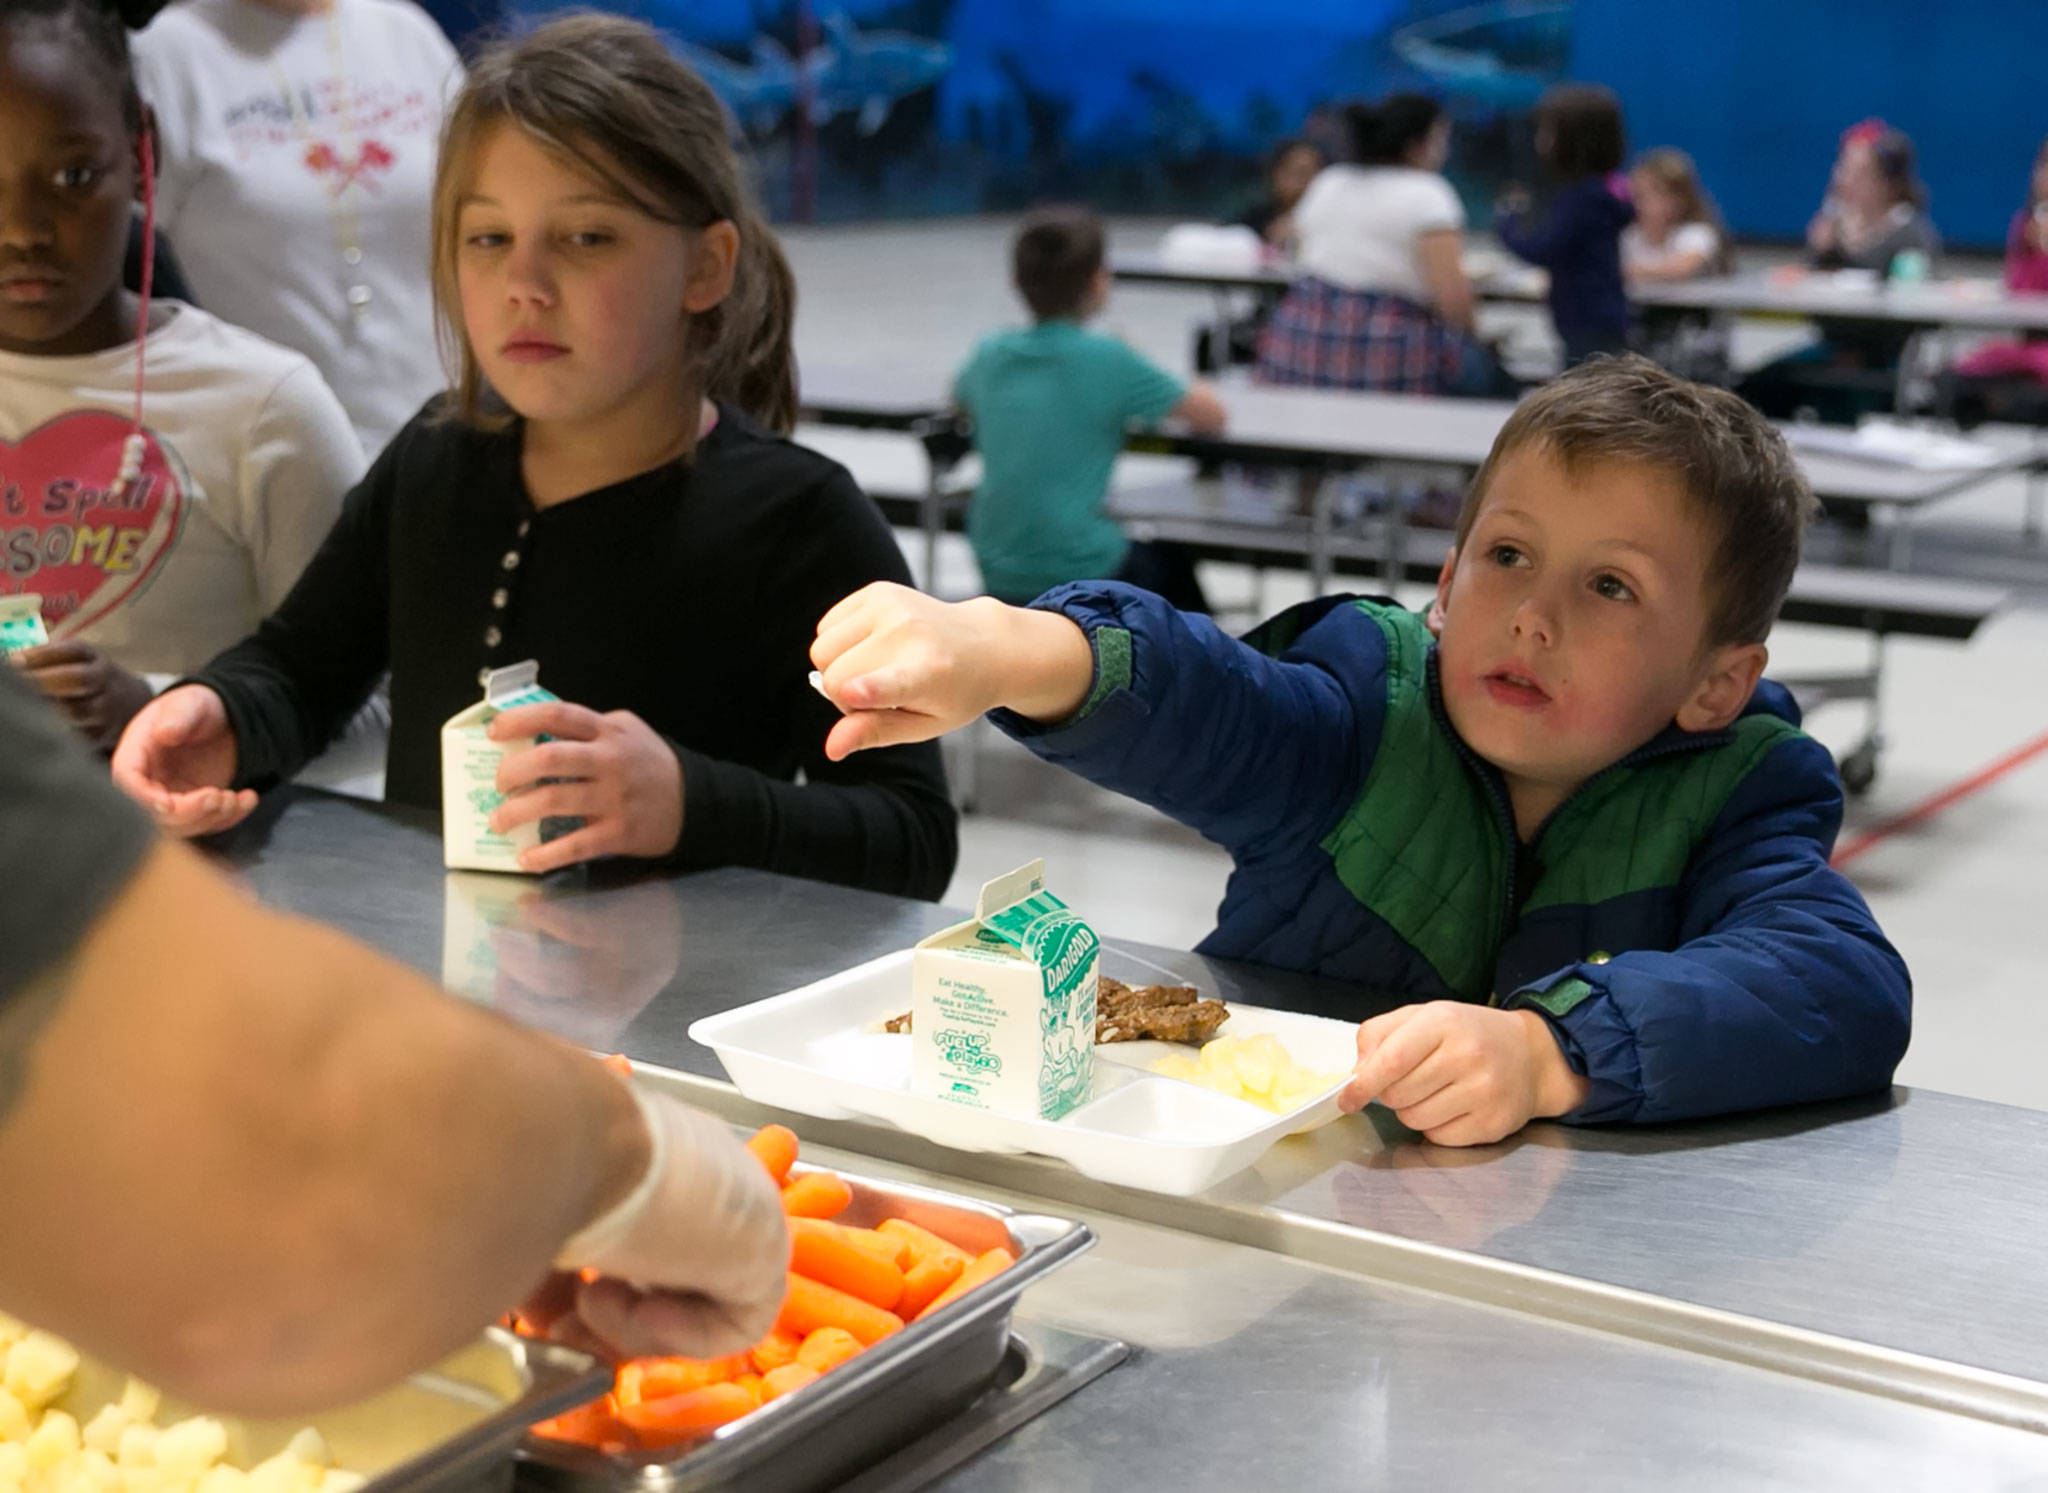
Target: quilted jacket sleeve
point(1253, 751)
point(1782, 989)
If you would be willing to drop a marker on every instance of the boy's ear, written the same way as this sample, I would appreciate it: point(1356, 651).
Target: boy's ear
point(1443, 593)
point(713, 262)
point(1725, 688)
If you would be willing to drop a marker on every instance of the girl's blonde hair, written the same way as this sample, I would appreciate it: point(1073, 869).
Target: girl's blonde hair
point(604, 92)
point(1673, 170)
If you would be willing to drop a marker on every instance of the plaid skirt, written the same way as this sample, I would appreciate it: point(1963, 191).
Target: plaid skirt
point(1330, 338)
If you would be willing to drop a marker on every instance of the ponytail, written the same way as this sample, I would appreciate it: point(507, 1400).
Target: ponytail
point(744, 345)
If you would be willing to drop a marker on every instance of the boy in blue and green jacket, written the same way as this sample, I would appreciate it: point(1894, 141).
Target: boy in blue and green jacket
point(1561, 811)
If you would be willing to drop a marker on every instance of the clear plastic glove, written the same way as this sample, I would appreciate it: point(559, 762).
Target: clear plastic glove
point(694, 1261)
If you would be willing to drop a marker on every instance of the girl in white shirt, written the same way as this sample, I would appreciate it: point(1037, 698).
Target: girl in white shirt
point(298, 144)
point(1382, 302)
point(160, 493)
point(1677, 233)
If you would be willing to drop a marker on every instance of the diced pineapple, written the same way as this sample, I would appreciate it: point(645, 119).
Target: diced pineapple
point(1177, 1065)
point(310, 1447)
point(52, 1443)
point(1257, 1069)
point(341, 1480)
point(13, 1462)
point(188, 1448)
point(11, 1331)
point(224, 1479)
point(39, 1368)
point(139, 1401)
point(138, 1447)
point(14, 1418)
point(88, 1472)
point(140, 1477)
point(103, 1431)
point(283, 1473)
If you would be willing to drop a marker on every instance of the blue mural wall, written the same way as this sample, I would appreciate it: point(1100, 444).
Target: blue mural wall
point(864, 108)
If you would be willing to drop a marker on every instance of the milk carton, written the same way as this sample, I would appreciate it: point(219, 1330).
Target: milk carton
point(1003, 1007)
point(469, 775)
point(21, 623)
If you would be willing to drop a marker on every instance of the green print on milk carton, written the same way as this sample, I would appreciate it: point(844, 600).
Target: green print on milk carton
point(1003, 1007)
point(469, 776)
point(21, 623)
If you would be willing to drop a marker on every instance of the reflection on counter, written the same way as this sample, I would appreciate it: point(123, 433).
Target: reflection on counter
point(560, 955)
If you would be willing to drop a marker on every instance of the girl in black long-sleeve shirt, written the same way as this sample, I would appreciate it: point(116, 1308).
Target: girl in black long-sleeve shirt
point(629, 524)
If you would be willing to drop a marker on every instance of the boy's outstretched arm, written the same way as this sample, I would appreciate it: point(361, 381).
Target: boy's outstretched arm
point(905, 666)
point(1253, 751)
point(1782, 991)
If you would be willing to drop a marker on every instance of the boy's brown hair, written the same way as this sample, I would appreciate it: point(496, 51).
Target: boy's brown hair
point(604, 92)
point(1734, 465)
point(1055, 260)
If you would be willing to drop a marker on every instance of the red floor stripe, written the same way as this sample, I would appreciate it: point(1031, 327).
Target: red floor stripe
point(1928, 808)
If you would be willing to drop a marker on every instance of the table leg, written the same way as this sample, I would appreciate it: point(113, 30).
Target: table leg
point(1315, 495)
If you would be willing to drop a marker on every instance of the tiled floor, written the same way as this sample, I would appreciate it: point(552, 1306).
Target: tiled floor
point(1965, 896)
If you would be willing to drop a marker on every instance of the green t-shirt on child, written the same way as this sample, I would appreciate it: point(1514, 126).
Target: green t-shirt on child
point(1050, 406)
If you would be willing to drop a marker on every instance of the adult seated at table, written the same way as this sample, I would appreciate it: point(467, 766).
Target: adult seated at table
point(1382, 302)
point(1875, 220)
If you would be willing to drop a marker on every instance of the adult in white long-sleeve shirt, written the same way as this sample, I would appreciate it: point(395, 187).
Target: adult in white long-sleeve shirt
point(298, 144)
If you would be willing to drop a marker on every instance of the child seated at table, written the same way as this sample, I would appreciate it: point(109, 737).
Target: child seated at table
point(1576, 232)
point(1559, 813)
point(1050, 406)
point(1677, 235)
point(1873, 220)
point(2008, 379)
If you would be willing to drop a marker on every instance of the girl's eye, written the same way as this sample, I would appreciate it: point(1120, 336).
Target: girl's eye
point(594, 238)
point(78, 178)
point(485, 240)
point(1506, 556)
point(1613, 588)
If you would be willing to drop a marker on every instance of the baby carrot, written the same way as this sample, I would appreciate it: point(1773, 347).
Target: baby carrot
point(691, 1413)
point(816, 1195)
point(923, 1242)
point(586, 1425)
point(811, 1305)
point(788, 1379)
point(620, 1064)
point(985, 1267)
point(891, 1248)
point(656, 1378)
point(775, 1147)
point(826, 1349)
point(923, 1282)
point(774, 1350)
point(754, 1385)
point(818, 1250)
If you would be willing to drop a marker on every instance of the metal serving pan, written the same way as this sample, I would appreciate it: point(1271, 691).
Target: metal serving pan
point(866, 1409)
point(449, 1429)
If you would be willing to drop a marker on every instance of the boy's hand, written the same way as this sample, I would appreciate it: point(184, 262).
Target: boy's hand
point(1463, 1075)
point(616, 775)
point(97, 695)
point(904, 666)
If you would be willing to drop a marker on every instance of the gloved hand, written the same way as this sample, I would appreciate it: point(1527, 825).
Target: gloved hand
point(694, 1261)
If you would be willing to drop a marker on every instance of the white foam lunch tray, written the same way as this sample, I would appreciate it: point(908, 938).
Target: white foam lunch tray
point(820, 1050)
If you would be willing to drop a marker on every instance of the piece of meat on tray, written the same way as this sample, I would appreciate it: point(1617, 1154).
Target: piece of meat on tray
point(1128, 1013)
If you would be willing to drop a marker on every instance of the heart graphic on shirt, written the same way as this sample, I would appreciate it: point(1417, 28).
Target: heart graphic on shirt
point(65, 533)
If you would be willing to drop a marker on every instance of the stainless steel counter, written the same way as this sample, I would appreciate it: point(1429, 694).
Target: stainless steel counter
point(1810, 1276)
